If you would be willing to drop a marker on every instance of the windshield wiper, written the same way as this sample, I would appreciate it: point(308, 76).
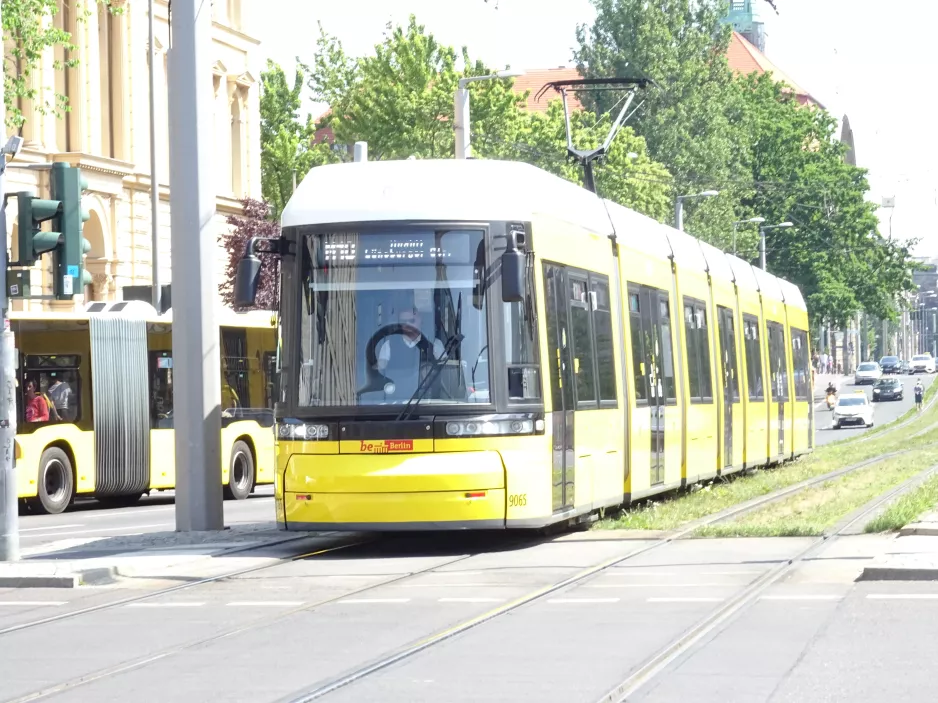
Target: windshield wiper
point(438, 365)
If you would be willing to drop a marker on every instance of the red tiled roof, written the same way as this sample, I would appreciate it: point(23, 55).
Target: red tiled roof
point(745, 58)
point(533, 81)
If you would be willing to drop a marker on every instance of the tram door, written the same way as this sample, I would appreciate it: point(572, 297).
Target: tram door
point(561, 386)
point(651, 309)
point(730, 380)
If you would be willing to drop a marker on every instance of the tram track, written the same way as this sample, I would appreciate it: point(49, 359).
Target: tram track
point(322, 689)
point(723, 615)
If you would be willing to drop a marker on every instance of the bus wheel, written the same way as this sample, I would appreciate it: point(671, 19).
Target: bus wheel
point(240, 472)
point(56, 483)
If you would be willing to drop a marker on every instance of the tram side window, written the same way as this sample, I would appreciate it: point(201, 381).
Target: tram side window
point(698, 351)
point(638, 352)
point(666, 367)
point(521, 352)
point(799, 348)
point(602, 332)
point(52, 389)
point(582, 334)
point(753, 358)
point(779, 362)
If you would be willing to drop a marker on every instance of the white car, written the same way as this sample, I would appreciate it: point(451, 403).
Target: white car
point(853, 409)
point(923, 363)
point(868, 372)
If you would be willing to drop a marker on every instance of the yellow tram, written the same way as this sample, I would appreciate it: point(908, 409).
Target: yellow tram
point(481, 344)
point(95, 403)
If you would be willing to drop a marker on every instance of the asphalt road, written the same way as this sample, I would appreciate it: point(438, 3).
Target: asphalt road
point(87, 519)
point(276, 634)
point(885, 412)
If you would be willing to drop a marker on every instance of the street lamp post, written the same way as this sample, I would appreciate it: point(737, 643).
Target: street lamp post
point(461, 121)
point(750, 221)
point(679, 205)
point(762, 231)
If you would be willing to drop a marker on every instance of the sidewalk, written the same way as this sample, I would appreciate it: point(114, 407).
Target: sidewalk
point(159, 556)
point(913, 556)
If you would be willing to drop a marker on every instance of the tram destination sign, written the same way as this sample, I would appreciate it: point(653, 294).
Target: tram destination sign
point(401, 249)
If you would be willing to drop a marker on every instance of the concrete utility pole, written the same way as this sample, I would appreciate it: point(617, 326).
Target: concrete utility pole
point(762, 231)
point(154, 178)
point(9, 534)
point(197, 382)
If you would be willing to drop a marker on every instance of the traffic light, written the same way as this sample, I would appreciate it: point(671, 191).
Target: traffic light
point(69, 267)
point(33, 241)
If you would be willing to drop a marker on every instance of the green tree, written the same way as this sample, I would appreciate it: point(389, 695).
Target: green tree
point(253, 221)
point(834, 252)
point(27, 34)
point(400, 101)
point(287, 148)
point(681, 44)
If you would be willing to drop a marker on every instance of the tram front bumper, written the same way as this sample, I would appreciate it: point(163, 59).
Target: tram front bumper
point(391, 492)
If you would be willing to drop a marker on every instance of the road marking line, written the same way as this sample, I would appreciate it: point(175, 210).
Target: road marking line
point(57, 527)
point(583, 600)
point(357, 601)
point(636, 573)
point(452, 585)
point(808, 597)
point(107, 529)
point(165, 605)
point(730, 573)
point(902, 596)
point(454, 573)
point(685, 600)
point(469, 600)
point(656, 585)
point(263, 603)
point(33, 602)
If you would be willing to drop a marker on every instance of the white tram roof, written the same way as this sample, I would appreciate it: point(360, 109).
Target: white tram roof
point(639, 231)
point(768, 285)
point(440, 189)
point(686, 250)
point(718, 264)
point(792, 293)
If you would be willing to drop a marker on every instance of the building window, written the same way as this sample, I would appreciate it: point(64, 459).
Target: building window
point(237, 142)
point(106, 58)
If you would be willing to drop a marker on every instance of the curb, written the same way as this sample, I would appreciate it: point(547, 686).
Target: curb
point(103, 575)
point(898, 573)
point(919, 530)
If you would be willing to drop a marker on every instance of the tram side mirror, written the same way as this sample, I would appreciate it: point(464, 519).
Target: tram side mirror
point(247, 279)
point(513, 276)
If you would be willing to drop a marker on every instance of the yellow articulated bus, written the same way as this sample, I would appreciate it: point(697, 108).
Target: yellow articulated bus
point(480, 344)
point(95, 404)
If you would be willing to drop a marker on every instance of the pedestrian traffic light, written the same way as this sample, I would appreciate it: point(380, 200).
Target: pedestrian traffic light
point(34, 242)
point(69, 267)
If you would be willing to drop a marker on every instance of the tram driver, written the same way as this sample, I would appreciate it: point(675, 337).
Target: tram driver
point(401, 356)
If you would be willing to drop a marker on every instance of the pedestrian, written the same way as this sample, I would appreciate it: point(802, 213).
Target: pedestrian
point(919, 395)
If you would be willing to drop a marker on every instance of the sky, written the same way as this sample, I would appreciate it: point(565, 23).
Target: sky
point(863, 58)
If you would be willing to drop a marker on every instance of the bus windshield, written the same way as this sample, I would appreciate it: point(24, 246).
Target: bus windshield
point(393, 315)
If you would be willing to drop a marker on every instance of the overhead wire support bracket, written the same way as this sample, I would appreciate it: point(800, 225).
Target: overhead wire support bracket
point(586, 157)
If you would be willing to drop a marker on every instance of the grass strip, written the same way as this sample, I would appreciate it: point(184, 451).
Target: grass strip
point(676, 509)
point(812, 511)
point(907, 508)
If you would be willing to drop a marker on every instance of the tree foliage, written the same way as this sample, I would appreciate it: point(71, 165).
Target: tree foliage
point(400, 101)
point(748, 138)
point(255, 221)
point(287, 148)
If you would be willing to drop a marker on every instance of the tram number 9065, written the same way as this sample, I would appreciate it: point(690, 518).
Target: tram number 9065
point(518, 500)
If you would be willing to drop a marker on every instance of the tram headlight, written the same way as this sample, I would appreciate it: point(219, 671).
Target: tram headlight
point(303, 431)
point(493, 427)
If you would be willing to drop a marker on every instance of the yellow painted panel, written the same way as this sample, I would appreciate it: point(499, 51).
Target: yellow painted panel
point(394, 473)
point(702, 436)
point(78, 443)
point(163, 458)
point(599, 470)
point(438, 508)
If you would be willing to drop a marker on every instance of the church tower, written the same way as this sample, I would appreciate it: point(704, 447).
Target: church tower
point(744, 16)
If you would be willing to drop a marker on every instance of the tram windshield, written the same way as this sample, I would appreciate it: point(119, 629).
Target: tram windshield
point(393, 316)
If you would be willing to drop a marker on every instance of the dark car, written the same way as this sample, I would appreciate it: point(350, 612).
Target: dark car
point(887, 389)
point(890, 364)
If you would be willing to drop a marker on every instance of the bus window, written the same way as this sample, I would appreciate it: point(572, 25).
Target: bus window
point(52, 391)
point(161, 390)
